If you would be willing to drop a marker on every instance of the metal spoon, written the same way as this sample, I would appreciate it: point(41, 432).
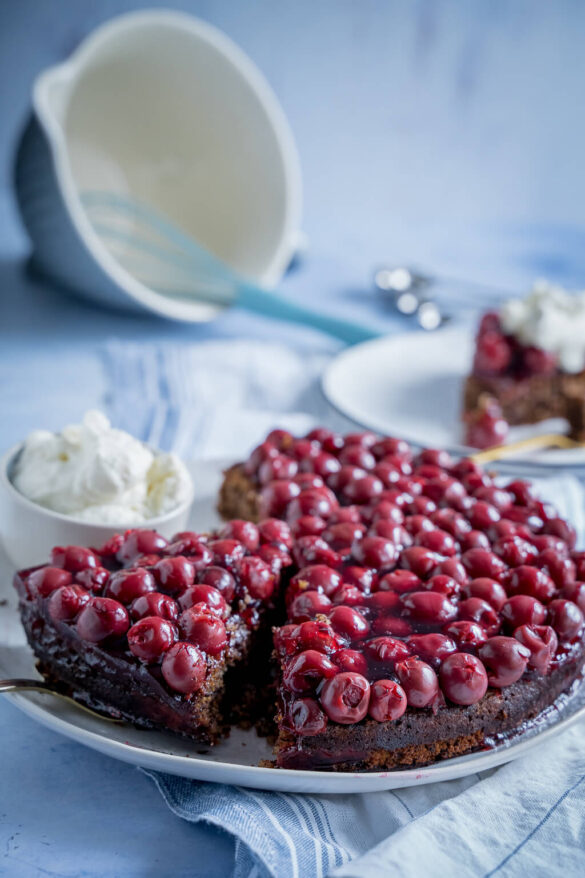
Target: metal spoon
point(22, 685)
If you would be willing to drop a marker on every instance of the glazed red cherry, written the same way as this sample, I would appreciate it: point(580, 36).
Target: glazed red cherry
point(505, 659)
point(199, 625)
point(463, 678)
point(307, 604)
point(515, 551)
point(256, 577)
point(363, 578)
point(387, 650)
point(244, 531)
point(387, 473)
point(226, 553)
point(101, 618)
point(384, 601)
point(307, 670)
point(140, 542)
point(308, 481)
point(575, 592)
point(339, 481)
point(558, 527)
point(308, 525)
point(313, 501)
point(350, 595)
point(493, 354)
point(46, 580)
point(174, 574)
point(205, 594)
point(429, 607)
point(276, 558)
point(316, 634)
point(531, 581)
point(420, 561)
point(331, 441)
point(432, 648)
point(481, 562)
point(445, 491)
point(281, 439)
point(443, 585)
point(387, 701)
point(184, 668)
point(419, 681)
point(453, 568)
point(278, 467)
point(498, 497)
point(130, 583)
point(363, 490)
point(73, 558)
point(324, 464)
point(468, 636)
point(349, 623)
point(566, 618)
point(275, 496)
point(150, 638)
point(478, 610)
point(154, 604)
point(345, 697)
point(415, 524)
point(561, 570)
point(365, 439)
point(351, 660)
point(220, 579)
point(357, 455)
point(261, 453)
point(192, 547)
point(276, 532)
point(314, 550)
point(451, 521)
point(542, 642)
point(488, 590)
point(319, 577)
point(305, 717)
point(437, 541)
point(376, 552)
point(475, 539)
point(66, 602)
point(521, 609)
point(93, 578)
point(345, 514)
point(422, 506)
point(341, 536)
point(400, 581)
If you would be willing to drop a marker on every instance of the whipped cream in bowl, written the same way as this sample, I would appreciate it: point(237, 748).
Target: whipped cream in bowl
point(85, 483)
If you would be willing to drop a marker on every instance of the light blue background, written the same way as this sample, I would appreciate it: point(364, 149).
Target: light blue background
point(449, 134)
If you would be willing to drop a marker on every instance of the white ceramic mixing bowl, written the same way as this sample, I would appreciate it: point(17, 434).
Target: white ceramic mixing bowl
point(165, 110)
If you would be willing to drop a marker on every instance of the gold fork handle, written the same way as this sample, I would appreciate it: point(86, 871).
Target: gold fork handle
point(546, 440)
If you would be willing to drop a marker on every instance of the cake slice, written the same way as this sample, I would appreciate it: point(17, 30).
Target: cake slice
point(153, 631)
point(530, 361)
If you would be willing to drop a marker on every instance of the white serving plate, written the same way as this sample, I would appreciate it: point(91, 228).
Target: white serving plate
point(235, 760)
point(411, 385)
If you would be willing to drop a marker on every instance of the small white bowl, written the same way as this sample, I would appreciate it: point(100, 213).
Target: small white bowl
point(163, 110)
point(30, 531)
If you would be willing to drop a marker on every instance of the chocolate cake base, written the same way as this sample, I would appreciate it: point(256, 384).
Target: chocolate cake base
point(532, 399)
point(421, 737)
point(238, 495)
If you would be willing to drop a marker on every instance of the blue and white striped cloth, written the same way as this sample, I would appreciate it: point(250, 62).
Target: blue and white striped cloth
point(526, 818)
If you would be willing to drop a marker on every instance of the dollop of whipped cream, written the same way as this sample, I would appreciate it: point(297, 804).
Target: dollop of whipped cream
point(552, 319)
point(98, 474)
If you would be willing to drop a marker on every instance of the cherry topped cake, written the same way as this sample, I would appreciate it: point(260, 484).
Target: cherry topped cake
point(418, 609)
point(151, 630)
point(529, 365)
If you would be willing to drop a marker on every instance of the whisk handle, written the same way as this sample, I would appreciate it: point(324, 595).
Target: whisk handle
point(274, 305)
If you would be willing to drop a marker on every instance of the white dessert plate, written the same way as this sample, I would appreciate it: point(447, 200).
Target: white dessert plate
point(411, 386)
point(235, 760)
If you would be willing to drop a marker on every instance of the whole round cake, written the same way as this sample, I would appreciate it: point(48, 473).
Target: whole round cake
point(388, 607)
